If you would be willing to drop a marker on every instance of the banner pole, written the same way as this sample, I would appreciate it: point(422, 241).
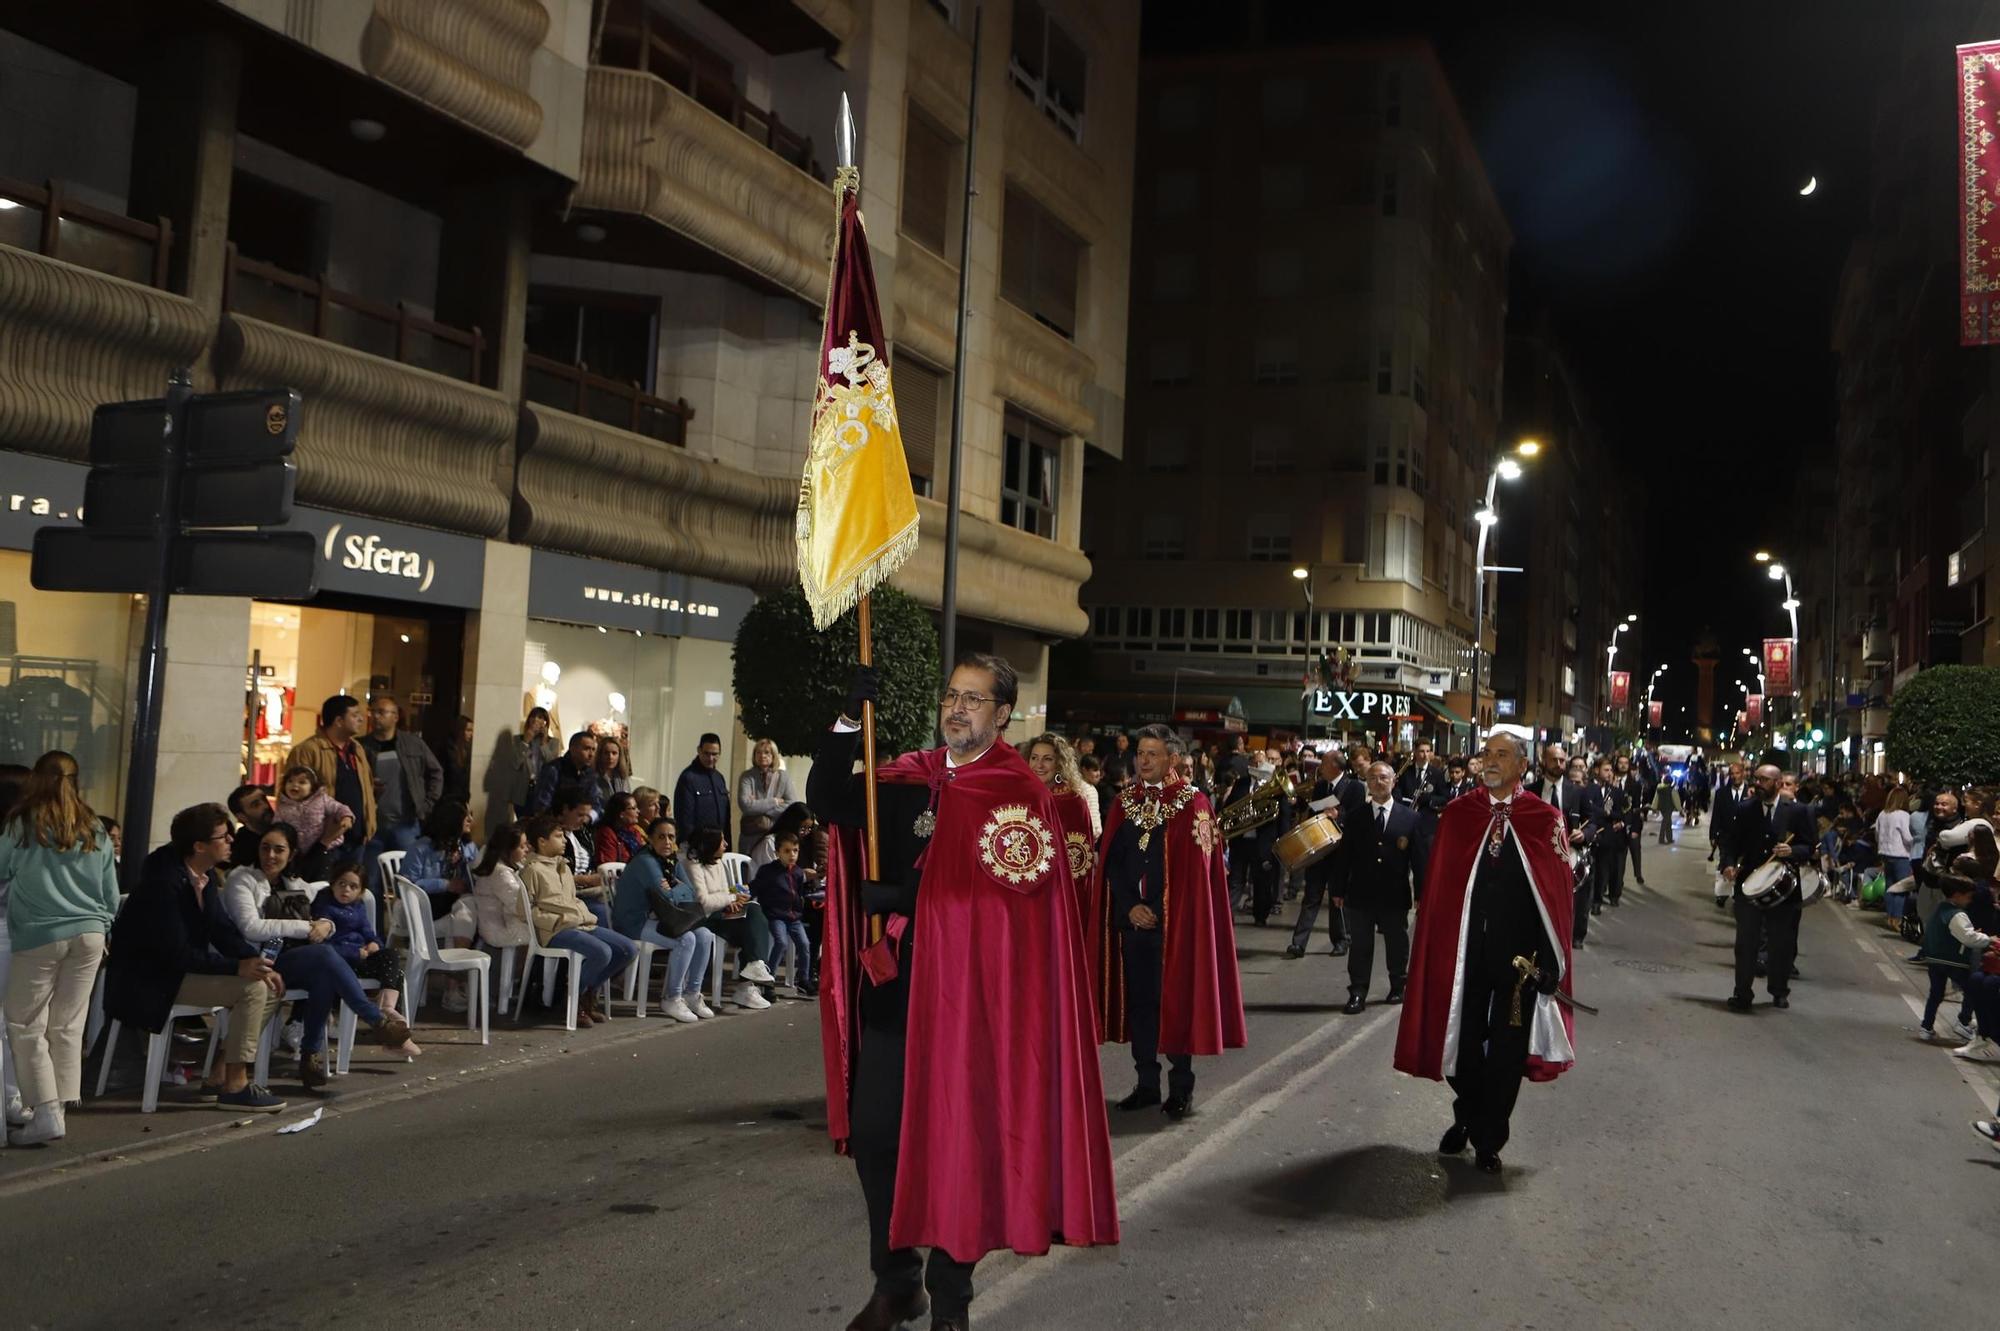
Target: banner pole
point(874, 843)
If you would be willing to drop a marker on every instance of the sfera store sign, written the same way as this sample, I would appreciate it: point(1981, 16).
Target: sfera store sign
point(573, 590)
point(368, 557)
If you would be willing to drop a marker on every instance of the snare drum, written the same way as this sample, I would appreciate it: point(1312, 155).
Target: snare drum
point(1770, 884)
point(1812, 885)
point(1308, 843)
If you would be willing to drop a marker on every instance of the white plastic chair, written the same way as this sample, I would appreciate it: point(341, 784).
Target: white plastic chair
point(426, 956)
point(348, 1020)
point(735, 869)
point(156, 1050)
point(556, 955)
point(718, 956)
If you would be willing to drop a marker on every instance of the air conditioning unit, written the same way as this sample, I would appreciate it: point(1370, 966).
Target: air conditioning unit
point(1875, 645)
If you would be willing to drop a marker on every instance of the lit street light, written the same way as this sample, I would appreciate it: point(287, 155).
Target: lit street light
point(1305, 577)
point(1506, 469)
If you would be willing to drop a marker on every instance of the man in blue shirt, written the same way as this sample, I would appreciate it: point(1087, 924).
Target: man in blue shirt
point(701, 796)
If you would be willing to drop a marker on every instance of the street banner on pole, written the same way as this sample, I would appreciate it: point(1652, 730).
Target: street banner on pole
point(1621, 688)
point(857, 511)
point(1655, 710)
point(1778, 665)
point(1978, 201)
point(1753, 710)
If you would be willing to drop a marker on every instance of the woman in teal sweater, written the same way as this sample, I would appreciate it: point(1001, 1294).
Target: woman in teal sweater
point(62, 895)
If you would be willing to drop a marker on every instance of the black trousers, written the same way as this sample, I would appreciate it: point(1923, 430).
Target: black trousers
point(1613, 859)
point(1634, 837)
point(1756, 929)
point(1362, 922)
point(1144, 950)
point(1580, 906)
point(1492, 1056)
point(1252, 871)
point(877, 1123)
point(1420, 847)
point(1316, 879)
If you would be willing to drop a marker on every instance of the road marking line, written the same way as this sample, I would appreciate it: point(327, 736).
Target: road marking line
point(1895, 976)
point(1014, 1282)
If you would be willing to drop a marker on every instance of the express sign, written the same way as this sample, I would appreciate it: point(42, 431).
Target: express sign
point(1344, 706)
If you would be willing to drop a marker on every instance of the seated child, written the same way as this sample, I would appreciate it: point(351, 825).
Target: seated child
point(780, 887)
point(305, 804)
point(355, 939)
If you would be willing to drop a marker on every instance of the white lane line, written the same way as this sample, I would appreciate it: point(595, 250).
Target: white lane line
point(1894, 976)
point(1862, 943)
point(1979, 1078)
point(1015, 1282)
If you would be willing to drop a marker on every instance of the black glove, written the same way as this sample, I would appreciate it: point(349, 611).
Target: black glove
point(887, 899)
point(866, 688)
point(1547, 980)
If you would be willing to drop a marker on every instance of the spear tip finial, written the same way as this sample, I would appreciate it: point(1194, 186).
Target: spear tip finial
point(843, 135)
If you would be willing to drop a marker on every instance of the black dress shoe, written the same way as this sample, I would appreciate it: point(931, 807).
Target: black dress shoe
point(949, 1324)
point(1616, 902)
point(1178, 1106)
point(1488, 1162)
point(1355, 1002)
point(1294, 952)
point(1779, 1000)
point(886, 1312)
point(1337, 950)
point(1597, 910)
point(1454, 1140)
point(1395, 994)
point(1141, 1098)
point(1737, 1004)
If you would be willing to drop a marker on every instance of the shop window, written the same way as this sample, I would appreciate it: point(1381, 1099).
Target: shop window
point(63, 680)
point(659, 694)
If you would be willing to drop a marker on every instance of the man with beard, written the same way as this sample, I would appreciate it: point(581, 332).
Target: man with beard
point(1497, 899)
point(1166, 946)
point(973, 1125)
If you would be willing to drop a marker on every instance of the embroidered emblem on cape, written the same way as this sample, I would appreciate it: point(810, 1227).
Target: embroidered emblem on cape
point(925, 825)
point(1016, 846)
point(1081, 857)
point(1561, 843)
point(1204, 833)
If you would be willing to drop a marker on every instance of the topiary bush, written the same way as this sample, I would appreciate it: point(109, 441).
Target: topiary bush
point(1944, 726)
point(791, 680)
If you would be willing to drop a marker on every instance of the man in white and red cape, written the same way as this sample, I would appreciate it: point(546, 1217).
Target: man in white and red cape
point(955, 1008)
point(1498, 888)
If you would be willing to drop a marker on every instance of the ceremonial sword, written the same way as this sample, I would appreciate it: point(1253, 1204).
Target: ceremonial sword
point(1525, 967)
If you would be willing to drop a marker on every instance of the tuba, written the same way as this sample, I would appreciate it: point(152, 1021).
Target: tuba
point(1262, 805)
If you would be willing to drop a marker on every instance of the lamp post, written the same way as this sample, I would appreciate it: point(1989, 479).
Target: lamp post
point(1611, 661)
point(1305, 577)
point(1507, 468)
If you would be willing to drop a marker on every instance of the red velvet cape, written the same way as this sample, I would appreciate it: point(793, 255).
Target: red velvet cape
point(1437, 952)
point(1005, 1143)
point(1201, 995)
point(1081, 847)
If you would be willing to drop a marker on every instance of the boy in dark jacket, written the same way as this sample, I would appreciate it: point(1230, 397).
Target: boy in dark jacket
point(780, 887)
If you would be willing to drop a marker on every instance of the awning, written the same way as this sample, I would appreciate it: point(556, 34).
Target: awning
point(1436, 707)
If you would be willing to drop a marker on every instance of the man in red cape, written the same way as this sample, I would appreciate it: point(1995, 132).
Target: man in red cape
point(1164, 945)
point(955, 1008)
point(1498, 888)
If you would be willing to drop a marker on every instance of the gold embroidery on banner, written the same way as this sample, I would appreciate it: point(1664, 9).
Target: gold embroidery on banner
point(1979, 203)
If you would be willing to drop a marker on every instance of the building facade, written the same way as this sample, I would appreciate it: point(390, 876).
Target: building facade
point(550, 289)
point(1318, 306)
point(1569, 535)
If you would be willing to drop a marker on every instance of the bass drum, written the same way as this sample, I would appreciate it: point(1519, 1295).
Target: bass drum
point(1770, 884)
point(1308, 843)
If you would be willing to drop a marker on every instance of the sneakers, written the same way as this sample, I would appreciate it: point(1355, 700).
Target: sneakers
point(252, 1098)
point(312, 1071)
point(1979, 1049)
point(292, 1036)
point(1928, 1035)
point(698, 1006)
point(677, 1008)
point(1989, 1129)
point(757, 971)
point(1955, 1028)
point(749, 996)
point(44, 1125)
point(455, 999)
point(807, 990)
point(17, 1113)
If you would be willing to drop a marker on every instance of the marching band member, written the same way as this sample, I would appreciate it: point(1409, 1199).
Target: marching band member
point(1767, 827)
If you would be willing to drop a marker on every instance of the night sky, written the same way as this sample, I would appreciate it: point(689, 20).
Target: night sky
point(1649, 159)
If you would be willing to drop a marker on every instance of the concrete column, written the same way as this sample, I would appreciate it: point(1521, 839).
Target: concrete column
point(496, 641)
point(1069, 493)
point(183, 156)
point(201, 722)
point(483, 276)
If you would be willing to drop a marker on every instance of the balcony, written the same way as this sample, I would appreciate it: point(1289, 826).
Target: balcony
point(470, 59)
point(1005, 576)
point(379, 435)
point(309, 305)
point(786, 27)
point(651, 150)
point(573, 388)
point(45, 220)
point(71, 337)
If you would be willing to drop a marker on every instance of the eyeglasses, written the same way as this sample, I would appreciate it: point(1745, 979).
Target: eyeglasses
point(952, 698)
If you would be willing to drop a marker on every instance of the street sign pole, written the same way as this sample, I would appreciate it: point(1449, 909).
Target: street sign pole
point(144, 770)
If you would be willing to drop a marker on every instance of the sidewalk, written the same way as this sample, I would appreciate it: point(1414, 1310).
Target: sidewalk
point(111, 1131)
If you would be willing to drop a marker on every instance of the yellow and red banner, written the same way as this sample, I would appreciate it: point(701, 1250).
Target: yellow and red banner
point(1979, 194)
point(1655, 711)
point(1778, 665)
point(857, 511)
point(1621, 688)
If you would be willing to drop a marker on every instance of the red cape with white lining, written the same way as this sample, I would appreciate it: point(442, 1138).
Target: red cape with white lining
point(1427, 1039)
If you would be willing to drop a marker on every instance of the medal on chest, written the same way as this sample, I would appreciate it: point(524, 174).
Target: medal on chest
point(925, 825)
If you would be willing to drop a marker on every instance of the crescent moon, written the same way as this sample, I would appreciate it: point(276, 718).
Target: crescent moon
point(1811, 185)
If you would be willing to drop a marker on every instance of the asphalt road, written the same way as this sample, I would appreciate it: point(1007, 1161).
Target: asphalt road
point(1809, 1168)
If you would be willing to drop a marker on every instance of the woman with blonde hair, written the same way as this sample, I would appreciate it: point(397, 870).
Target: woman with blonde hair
point(1054, 759)
point(763, 792)
point(62, 898)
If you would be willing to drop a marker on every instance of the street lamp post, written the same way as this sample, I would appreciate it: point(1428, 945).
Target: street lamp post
point(1305, 577)
point(1507, 468)
point(1611, 662)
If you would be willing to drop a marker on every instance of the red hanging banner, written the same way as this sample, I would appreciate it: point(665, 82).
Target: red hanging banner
point(1753, 710)
point(1979, 194)
point(1655, 710)
point(1621, 687)
point(1778, 665)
